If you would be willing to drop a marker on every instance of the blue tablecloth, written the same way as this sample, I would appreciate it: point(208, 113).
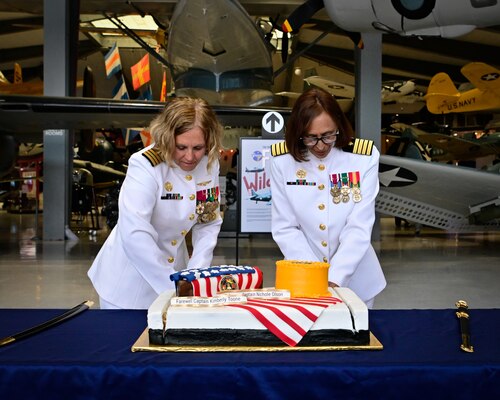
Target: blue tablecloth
point(90, 357)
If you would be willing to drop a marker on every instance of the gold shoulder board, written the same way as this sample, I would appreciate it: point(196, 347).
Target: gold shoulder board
point(361, 146)
point(278, 149)
point(153, 157)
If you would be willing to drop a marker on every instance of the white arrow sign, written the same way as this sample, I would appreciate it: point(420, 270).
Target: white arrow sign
point(273, 122)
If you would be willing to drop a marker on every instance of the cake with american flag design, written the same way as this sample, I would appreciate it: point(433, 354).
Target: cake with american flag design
point(222, 313)
point(209, 281)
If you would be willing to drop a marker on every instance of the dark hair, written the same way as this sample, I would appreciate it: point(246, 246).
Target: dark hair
point(308, 106)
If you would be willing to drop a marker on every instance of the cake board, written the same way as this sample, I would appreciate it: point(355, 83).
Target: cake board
point(142, 344)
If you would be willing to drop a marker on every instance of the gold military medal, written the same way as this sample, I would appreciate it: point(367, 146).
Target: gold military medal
point(345, 193)
point(356, 194)
point(335, 190)
point(356, 186)
point(207, 204)
point(345, 189)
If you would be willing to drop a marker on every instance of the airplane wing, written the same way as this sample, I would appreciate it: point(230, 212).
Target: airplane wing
point(291, 95)
point(27, 88)
point(28, 116)
point(335, 88)
point(482, 76)
point(452, 198)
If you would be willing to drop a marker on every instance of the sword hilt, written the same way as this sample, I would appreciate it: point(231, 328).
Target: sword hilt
point(463, 316)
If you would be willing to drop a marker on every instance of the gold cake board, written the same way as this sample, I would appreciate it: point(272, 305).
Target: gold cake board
point(142, 344)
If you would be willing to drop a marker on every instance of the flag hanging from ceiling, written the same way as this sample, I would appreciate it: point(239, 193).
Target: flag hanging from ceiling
point(146, 138)
point(120, 90)
point(112, 61)
point(140, 72)
point(163, 93)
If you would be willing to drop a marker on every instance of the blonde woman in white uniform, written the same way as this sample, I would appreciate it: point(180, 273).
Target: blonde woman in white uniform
point(171, 188)
point(323, 190)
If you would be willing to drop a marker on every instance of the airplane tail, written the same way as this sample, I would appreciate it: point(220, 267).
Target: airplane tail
point(441, 89)
point(18, 73)
point(18, 76)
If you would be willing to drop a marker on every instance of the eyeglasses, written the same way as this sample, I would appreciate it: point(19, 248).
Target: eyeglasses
point(327, 138)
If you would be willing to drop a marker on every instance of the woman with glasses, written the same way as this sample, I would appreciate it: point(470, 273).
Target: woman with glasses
point(323, 185)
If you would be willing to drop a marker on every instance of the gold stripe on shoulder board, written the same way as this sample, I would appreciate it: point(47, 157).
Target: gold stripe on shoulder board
point(278, 149)
point(363, 146)
point(153, 156)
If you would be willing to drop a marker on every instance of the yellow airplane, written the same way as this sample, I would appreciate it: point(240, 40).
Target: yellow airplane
point(18, 86)
point(443, 97)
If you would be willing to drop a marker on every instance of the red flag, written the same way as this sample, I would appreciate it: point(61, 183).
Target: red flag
point(140, 72)
point(163, 93)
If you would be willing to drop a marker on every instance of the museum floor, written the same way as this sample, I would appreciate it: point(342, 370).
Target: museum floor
point(430, 270)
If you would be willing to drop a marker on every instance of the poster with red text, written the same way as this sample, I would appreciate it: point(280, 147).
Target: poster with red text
point(254, 185)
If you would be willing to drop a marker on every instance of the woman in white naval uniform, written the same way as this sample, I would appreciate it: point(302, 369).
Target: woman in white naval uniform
point(171, 188)
point(323, 195)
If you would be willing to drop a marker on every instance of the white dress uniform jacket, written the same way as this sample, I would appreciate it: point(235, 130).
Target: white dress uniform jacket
point(157, 208)
point(307, 225)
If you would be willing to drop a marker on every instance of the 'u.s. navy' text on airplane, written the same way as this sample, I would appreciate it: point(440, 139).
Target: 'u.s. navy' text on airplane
point(443, 97)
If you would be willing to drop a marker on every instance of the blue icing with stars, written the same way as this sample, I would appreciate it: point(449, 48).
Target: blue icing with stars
point(197, 273)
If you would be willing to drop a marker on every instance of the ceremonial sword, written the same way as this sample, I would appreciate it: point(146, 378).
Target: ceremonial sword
point(48, 324)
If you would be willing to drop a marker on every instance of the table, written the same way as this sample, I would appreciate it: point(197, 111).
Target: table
point(90, 357)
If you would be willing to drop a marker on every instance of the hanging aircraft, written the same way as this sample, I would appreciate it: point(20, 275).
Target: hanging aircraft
point(443, 97)
point(18, 86)
point(21, 87)
point(217, 52)
point(399, 92)
point(445, 18)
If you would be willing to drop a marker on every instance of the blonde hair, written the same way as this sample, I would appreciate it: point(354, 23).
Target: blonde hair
point(180, 115)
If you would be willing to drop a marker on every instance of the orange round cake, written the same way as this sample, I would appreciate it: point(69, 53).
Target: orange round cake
point(303, 278)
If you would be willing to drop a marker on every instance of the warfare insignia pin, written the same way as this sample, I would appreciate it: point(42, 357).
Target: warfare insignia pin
point(205, 183)
point(168, 186)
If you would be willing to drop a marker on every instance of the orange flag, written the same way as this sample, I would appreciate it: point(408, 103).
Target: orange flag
point(163, 93)
point(140, 72)
point(146, 138)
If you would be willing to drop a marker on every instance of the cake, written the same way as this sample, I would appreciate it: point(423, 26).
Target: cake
point(301, 315)
point(207, 282)
point(303, 278)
